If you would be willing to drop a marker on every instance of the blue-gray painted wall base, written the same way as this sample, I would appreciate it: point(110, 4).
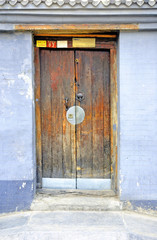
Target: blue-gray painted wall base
point(16, 195)
point(140, 205)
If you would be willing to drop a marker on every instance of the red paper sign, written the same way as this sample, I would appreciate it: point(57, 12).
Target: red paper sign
point(51, 44)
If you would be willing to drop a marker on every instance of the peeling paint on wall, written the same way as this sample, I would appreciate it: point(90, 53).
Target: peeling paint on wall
point(10, 82)
point(23, 184)
point(19, 155)
point(28, 81)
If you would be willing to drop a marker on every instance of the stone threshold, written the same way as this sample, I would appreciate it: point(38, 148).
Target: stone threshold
point(75, 200)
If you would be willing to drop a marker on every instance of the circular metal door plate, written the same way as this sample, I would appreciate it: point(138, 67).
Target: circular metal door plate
point(75, 115)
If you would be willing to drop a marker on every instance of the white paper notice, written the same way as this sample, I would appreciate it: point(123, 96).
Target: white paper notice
point(62, 44)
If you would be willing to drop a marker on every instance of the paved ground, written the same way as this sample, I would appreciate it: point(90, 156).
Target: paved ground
point(78, 225)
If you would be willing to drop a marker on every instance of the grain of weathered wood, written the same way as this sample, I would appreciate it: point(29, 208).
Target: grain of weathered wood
point(38, 117)
point(84, 130)
point(97, 115)
point(92, 72)
point(46, 112)
point(107, 147)
point(98, 79)
point(78, 35)
point(75, 28)
point(114, 119)
point(57, 102)
point(58, 135)
point(66, 76)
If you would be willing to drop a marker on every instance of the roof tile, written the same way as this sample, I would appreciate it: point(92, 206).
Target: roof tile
point(84, 3)
point(24, 2)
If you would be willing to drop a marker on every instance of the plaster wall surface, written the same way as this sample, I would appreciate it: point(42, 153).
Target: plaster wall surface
point(138, 118)
point(138, 115)
point(17, 156)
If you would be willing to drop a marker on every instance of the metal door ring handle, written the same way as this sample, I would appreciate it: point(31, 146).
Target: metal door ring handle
point(79, 97)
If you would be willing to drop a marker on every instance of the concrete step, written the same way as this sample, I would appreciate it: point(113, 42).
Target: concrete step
point(75, 200)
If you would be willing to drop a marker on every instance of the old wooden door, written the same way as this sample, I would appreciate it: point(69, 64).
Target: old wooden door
point(75, 155)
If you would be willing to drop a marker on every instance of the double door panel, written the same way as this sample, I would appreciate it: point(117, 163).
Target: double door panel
point(80, 151)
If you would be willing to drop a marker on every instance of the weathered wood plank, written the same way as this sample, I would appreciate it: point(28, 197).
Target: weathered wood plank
point(98, 78)
point(58, 135)
point(114, 118)
point(106, 110)
point(79, 35)
point(92, 72)
point(57, 114)
point(75, 28)
point(38, 117)
point(46, 113)
point(68, 91)
point(84, 130)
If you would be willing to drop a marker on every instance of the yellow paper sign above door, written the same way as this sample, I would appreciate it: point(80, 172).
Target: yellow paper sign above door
point(41, 43)
point(83, 42)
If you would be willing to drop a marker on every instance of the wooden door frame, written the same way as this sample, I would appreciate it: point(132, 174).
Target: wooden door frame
point(107, 45)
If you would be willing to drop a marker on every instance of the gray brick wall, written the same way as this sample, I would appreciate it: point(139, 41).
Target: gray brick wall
point(138, 115)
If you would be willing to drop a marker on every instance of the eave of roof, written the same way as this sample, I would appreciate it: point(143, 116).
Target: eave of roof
point(84, 3)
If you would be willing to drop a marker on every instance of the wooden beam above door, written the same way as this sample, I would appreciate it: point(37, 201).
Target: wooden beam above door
point(78, 35)
point(74, 28)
